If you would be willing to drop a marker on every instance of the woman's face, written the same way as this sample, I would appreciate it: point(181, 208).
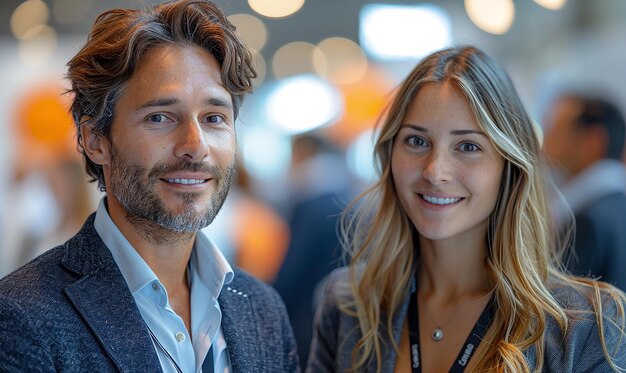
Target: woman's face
point(446, 171)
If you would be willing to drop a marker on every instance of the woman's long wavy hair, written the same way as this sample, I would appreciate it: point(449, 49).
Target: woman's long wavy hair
point(523, 259)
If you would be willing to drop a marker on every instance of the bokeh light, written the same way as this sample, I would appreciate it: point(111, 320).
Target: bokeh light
point(294, 58)
point(276, 8)
point(302, 103)
point(44, 127)
point(251, 30)
point(492, 16)
point(29, 14)
point(38, 45)
point(364, 103)
point(551, 4)
point(340, 61)
point(360, 157)
point(403, 31)
point(266, 154)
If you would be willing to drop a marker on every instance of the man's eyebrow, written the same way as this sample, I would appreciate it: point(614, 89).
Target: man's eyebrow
point(454, 132)
point(213, 101)
point(159, 102)
point(216, 101)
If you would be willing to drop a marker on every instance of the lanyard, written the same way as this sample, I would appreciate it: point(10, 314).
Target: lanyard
point(469, 347)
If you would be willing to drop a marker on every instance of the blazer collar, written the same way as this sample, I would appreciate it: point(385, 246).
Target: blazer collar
point(102, 298)
point(240, 327)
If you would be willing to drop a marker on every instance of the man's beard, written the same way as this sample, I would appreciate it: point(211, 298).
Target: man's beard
point(135, 189)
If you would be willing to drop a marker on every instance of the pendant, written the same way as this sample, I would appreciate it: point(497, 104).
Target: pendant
point(437, 334)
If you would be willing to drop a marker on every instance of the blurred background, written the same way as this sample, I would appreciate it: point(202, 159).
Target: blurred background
point(326, 71)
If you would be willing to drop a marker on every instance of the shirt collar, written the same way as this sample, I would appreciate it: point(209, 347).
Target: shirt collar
point(209, 265)
point(213, 273)
point(134, 269)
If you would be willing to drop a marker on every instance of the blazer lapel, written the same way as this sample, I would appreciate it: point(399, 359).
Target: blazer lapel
point(240, 329)
point(105, 303)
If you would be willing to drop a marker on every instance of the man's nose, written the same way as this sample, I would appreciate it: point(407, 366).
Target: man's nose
point(192, 141)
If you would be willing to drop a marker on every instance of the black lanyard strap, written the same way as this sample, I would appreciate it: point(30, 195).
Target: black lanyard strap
point(469, 347)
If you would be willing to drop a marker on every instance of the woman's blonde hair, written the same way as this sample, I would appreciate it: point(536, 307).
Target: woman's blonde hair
point(523, 260)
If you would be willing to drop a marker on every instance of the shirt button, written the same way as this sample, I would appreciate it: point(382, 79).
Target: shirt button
point(180, 337)
point(155, 286)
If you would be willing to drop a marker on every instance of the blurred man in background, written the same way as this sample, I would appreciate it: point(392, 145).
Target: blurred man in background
point(585, 141)
point(320, 187)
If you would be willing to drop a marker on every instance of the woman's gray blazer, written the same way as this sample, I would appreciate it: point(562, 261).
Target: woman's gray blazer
point(579, 350)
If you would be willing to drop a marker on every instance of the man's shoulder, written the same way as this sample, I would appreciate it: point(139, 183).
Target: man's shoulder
point(38, 273)
point(49, 272)
point(245, 284)
point(604, 208)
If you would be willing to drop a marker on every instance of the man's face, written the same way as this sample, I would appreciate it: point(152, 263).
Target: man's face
point(172, 144)
point(563, 139)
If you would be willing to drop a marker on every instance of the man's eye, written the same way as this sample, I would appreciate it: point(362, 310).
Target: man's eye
point(215, 119)
point(157, 118)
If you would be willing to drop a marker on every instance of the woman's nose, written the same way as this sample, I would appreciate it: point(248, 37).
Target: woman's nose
point(437, 167)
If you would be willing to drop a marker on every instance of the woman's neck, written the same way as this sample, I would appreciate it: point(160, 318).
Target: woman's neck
point(451, 271)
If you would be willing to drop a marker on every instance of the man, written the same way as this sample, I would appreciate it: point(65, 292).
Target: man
point(319, 187)
point(585, 138)
point(138, 289)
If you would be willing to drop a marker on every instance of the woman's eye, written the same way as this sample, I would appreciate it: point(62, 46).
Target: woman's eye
point(416, 141)
point(157, 118)
point(469, 147)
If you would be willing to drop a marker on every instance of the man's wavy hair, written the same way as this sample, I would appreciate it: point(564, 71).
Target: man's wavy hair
point(121, 37)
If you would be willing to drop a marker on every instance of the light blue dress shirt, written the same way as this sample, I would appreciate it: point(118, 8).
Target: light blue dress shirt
point(208, 272)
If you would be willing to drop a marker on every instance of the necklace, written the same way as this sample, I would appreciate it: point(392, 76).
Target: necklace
point(437, 333)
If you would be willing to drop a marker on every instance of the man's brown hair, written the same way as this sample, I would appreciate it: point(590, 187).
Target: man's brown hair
point(121, 37)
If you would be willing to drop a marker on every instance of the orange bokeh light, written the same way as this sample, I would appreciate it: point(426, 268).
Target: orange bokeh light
point(43, 124)
point(364, 103)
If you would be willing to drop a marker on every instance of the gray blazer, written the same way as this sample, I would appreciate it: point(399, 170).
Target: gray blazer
point(70, 310)
point(335, 334)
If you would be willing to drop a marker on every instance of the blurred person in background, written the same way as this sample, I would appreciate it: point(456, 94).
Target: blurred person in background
point(49, 196)
point(320, 186)
point(249, 231)
point(155, 96)
point(63, 201)
point(585, 142)
point(453, 264)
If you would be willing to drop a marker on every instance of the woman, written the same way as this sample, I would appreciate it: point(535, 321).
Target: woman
point(454, 266)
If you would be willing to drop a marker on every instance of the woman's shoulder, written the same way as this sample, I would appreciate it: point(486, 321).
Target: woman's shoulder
point(335, 290)
point(595, 319)
point(333, 331)
point(585, 301)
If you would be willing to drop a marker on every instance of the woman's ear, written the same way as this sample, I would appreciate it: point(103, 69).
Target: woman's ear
point(96, 146)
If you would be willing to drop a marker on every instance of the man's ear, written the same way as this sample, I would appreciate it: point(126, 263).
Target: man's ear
point(96, 146)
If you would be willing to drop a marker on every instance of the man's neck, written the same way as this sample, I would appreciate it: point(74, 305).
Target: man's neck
point(166, 252)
